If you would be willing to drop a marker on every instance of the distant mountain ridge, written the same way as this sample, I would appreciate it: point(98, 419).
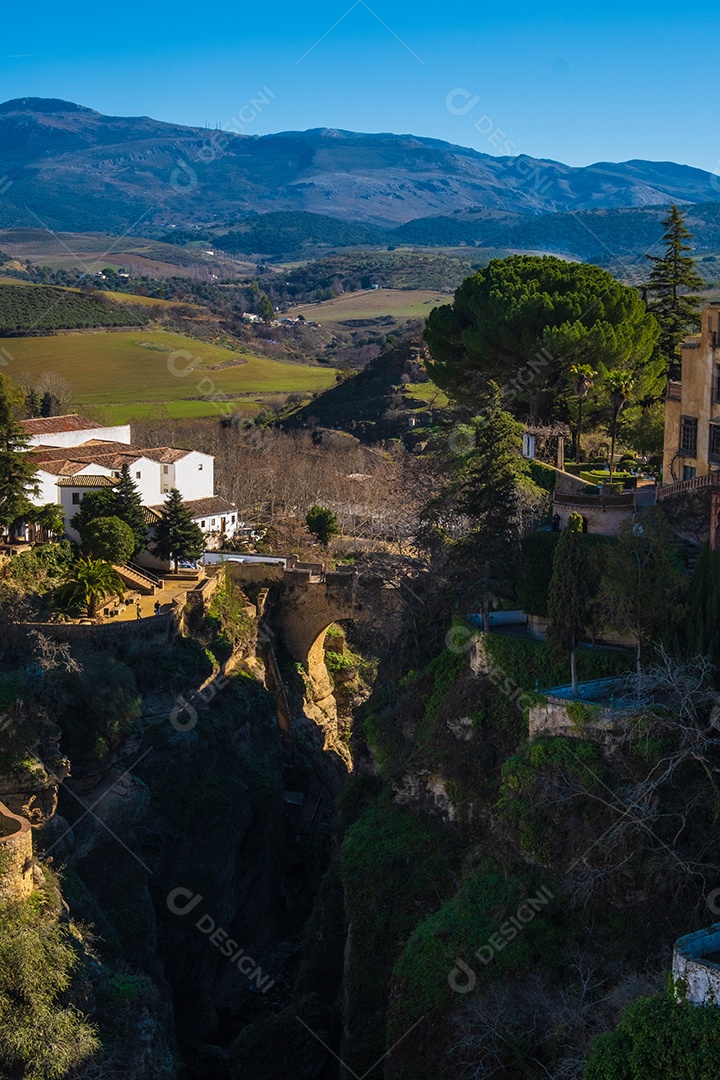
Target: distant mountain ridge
point(71, 168)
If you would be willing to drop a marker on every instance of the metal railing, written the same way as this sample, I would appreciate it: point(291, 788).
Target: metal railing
point(142, 572)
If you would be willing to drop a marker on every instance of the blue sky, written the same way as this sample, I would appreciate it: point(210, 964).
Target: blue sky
point(578, 83)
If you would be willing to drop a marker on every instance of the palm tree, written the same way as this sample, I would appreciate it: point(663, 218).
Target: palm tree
point(88, 584)
point(583, 376)
point(620, 384)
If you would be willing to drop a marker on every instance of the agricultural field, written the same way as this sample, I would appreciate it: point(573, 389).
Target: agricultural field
point(399, 304)
point(93, 251)
point(115, 297)
point(48, 308)
point(129, 373)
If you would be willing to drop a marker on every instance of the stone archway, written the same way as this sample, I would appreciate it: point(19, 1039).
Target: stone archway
point(302, 615)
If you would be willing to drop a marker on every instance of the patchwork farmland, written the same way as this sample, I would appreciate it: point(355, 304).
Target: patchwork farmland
point(125, 375)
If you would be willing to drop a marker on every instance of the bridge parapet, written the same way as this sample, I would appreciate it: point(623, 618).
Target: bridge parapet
point(295, 576)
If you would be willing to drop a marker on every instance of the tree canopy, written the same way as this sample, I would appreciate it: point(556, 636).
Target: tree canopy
point(673, 281)
point(121, 501)
point(659, 1037)
point(17, 472)
point(109, 539)
point(486, 500)
point(90, 582)
point(176, 534)
point(569, 598)
point(527, 320)
point(322, 523)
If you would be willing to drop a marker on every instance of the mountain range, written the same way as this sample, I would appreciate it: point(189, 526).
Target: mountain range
point(68, 167)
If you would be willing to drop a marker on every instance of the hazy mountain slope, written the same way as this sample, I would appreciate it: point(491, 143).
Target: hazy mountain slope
point(71, 167)
point(602, 236)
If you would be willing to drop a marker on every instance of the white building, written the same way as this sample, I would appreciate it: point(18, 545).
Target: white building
point(74, 455)
point(71, 430)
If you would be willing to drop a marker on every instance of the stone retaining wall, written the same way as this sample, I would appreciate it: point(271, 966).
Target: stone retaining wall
point(575, 720)
point(697, 978)
point(16, 856)
point(135, 634)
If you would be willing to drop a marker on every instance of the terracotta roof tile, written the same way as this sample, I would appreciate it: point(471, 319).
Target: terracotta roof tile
point(86, 481)
point(199, 508)
point(47, 425)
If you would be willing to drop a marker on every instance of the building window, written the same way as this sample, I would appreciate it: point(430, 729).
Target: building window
point(212, 523)
point(716, 383)
point(200, 467)
point(166, 469)
point(138, 475)
point(688, 435)
point(714, 444)
point(76, 498)
point(202, 524)
point(688, 472)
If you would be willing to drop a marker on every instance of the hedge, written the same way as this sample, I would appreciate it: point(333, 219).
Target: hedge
point(531, 665)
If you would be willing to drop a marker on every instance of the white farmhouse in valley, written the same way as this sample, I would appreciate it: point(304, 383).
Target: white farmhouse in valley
point(74, 455)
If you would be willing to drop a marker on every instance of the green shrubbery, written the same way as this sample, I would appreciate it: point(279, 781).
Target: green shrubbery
point(533, 825)
point(396, 868)
point(659, 1037)
point(44, 1035)
point(43, 567)
point(542, 475)
point(531, 664)
point(99, 707)
point(228, 624)
point(460, 928)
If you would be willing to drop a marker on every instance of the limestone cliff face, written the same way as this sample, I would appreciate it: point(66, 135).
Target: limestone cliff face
point(203, 833)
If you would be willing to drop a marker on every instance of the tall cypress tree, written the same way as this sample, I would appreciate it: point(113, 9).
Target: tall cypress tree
point(699, 632)
point(569, 598)
point(17, 472)
point(122, 501)
point(489, 493)
point(127, 505)
point(176, 534)
point(672, 288)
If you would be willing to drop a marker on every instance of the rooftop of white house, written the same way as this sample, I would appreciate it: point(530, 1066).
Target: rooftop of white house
point(52, 425)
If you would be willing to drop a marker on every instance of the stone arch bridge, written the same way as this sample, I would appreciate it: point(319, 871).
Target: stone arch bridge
point(304, 601)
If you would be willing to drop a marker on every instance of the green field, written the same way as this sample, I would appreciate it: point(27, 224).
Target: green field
point(372, 304)
point(126, 374)
point(428, 393)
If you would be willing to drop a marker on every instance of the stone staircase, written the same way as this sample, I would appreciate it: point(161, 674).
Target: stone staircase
point(138, 581)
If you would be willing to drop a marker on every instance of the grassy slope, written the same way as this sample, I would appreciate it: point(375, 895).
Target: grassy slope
point(115, 297)
point(358, 404)
point(116, 370)
point(373, 303)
